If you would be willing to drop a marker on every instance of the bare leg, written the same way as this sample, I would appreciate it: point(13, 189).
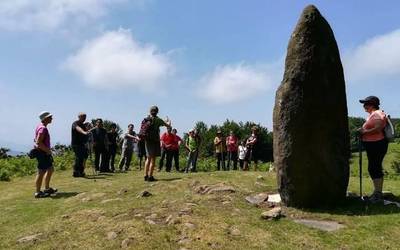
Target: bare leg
point(147, 166)
point(47, 178)
point(152, 165)
point(38, 181)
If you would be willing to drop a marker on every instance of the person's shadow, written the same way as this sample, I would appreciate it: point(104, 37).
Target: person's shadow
point(63, 195)
point(352, 206)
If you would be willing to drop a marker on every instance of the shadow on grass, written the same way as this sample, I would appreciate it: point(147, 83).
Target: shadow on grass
point(64, 195)
point(170, 179)
point(354, 206)
point(95, 177)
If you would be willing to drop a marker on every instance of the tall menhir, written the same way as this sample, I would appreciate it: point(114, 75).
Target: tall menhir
point(311, 135)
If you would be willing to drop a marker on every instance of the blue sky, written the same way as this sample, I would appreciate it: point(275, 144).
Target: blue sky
point(197, 60)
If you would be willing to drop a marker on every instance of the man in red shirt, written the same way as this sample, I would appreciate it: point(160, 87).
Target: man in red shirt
point(175, 150)
point(168, 141)
point(232, 148)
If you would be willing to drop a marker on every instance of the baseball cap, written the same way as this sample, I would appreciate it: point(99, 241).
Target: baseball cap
point(371, 100)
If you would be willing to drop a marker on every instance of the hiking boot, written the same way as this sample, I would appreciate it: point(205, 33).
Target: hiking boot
point(151, 178)
point(376, 197)
point(41, 194)
point(50, 191)
point(146, 178)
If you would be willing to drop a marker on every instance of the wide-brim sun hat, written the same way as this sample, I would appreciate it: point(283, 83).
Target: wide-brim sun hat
point(44, 114)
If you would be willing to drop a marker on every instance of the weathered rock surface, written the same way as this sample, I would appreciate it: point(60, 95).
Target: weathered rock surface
point(311, 138)
point(214, 189)
point(144, 193)
point(30, 238)
point(273, 214)
point(328, 226)
point(257, 199)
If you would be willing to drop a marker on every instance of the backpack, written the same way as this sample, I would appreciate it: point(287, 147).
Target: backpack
point(389, 129)
point(145, 128)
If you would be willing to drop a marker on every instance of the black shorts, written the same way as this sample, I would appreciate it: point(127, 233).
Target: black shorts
point(45, 161)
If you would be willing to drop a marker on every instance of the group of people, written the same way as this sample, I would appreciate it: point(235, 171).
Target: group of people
point(86, 139)
point(229, 149)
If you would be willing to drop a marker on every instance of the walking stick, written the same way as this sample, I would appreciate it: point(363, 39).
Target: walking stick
point(360, 163)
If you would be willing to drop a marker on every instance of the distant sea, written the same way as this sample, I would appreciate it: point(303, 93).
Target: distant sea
point(16, 153)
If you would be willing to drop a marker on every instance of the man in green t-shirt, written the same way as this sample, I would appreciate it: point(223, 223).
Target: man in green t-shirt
point(152, 142)
point(192, 145)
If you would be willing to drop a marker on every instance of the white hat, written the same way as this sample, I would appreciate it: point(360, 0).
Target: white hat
point(44, 114)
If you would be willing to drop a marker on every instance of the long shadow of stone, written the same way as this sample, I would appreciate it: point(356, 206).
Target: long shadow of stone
point(95, 177)
point(64, 195)
point(170, 179)
point(356, 207)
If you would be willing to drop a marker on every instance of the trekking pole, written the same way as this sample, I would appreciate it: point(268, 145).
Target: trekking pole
point(360, 163)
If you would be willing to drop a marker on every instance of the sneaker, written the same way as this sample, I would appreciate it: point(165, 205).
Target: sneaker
point(50, 191)
point(41, 194)
point(146, 178)
point(151, 178)
point(376, 197)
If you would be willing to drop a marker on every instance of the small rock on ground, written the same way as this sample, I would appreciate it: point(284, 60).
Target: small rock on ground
point(273, 214)
point(189, 225)
point(30, 238)
point(126, 242)
point(144, 193)
point(110, 200)
point(234, 231)
point(257, 199)
point(327, 226)
point(122, 191)
point(112, 235)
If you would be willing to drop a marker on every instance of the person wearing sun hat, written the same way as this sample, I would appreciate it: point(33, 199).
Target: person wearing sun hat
point(375, 143)
point(43, 156)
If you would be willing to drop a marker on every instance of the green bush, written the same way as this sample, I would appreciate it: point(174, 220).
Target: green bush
point(4, 175)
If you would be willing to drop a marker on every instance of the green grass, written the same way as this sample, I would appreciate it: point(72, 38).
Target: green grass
point(66, 222)
point(373, 227)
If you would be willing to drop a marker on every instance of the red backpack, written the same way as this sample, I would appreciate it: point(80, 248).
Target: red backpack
point(145, 128)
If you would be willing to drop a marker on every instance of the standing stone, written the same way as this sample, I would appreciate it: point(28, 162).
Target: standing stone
point(311, 138)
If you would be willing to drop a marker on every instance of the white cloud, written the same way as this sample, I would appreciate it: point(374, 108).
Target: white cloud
point(377, 58)
point(231, 83)
point(48, 15)
point(115, 59)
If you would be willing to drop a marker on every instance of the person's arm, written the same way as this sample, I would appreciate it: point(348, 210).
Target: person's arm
point(80, 130)
point(40, 143)
point(217, 141)
point(187, 144)
point(167, 122)
point(378, 126)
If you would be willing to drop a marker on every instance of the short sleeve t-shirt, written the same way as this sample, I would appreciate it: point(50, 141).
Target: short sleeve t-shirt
point(154, 130)
point(99, 137)
point(78, 139)
point(175, 144)
point(193, 143)
point(377, 115)
point(41, 130)
point(168, 140)
point(231, 143)
point(128, 141)
point(220, 148)
point(112, 139)
point(242, 152)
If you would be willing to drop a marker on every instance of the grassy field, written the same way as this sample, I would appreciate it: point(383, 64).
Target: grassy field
point(102, 213)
